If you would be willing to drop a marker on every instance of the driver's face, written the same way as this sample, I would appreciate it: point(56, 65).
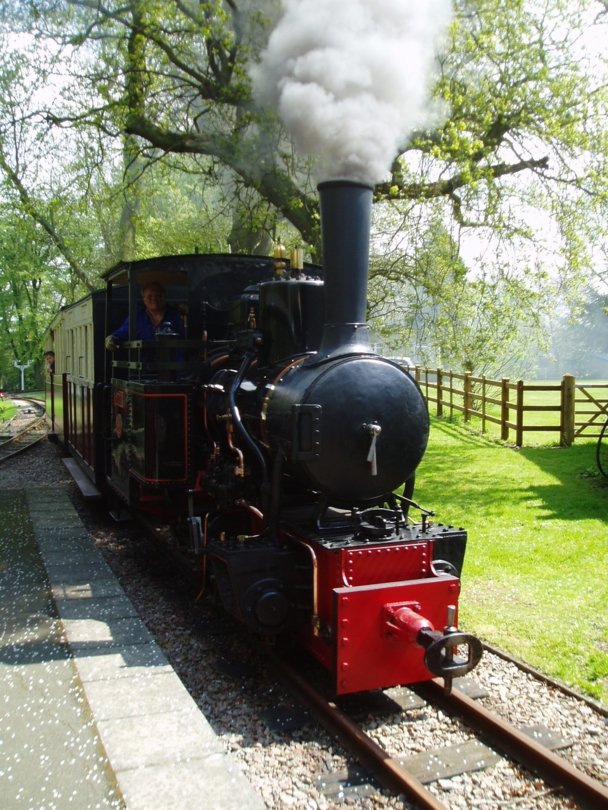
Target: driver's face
point(154, 300)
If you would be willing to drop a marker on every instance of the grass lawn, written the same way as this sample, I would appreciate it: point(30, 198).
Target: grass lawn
point(7, 409)
point(535, 580)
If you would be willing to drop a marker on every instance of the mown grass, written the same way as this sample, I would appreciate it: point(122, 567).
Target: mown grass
point(535, 581)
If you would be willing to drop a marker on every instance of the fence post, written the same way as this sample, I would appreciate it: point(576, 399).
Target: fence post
point(519, 421)
point(451, 373)
point(439, 392)
point(504, 409)
point(467, 396)
point(568, 409)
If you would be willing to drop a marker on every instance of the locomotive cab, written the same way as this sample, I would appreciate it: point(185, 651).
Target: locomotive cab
point(148, 398)
point(159, 437)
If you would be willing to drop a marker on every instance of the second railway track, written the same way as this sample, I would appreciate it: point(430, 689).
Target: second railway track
point(24, 430)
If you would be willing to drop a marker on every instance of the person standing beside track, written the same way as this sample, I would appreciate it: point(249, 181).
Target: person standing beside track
point(154, 316)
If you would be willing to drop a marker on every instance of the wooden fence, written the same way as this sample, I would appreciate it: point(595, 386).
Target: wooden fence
point(568, 409)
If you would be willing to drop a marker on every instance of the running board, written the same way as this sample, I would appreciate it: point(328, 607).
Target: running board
point(85, 485)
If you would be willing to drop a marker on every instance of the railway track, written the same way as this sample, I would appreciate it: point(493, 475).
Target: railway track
point(395, 776)
point(24, 430)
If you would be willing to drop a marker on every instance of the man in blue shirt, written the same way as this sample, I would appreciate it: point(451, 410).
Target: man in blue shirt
point(155, 317)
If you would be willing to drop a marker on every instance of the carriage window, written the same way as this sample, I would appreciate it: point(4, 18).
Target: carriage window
point(72, 343)
point(87, 364)
point(81, 353)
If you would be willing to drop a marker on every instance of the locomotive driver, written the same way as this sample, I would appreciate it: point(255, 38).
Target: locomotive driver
point(154, 315)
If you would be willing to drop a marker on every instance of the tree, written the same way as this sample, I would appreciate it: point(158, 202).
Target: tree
point(140, 66)
point(522, 99)
point(450, 316)
point(30, 289)
point(25, 164)
point(518, 158)
point(580, 345)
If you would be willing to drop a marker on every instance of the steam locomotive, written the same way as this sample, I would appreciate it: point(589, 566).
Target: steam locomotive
point(268, 448)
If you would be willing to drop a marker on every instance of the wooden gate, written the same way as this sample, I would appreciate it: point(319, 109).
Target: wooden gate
point(591, 408)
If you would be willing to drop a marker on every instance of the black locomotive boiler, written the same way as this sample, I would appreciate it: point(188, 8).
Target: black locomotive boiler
point(269, 447)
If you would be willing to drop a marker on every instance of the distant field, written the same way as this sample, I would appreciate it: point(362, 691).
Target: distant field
point(544, 418)
point(534, 581)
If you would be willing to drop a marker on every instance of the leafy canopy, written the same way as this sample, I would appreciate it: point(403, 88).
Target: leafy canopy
point(158, 145)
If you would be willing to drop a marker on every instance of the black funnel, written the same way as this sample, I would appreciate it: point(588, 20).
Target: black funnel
point(345, 228)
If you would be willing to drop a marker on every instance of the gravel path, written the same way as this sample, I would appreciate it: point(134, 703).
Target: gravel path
point(234, 690)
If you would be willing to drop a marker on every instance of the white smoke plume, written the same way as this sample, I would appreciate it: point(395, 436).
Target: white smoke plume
point(350, 79)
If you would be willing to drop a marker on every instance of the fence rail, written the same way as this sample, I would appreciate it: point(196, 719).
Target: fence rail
point(568, 409)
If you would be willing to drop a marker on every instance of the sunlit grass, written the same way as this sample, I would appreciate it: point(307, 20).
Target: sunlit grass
point(7, 409)
point(534, 581)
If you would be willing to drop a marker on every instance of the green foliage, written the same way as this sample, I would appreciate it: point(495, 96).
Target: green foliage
point(157, 147)
point(7, 410)
point(532, 581)
point(525, 94)
point(430, 305)
point(29, 291)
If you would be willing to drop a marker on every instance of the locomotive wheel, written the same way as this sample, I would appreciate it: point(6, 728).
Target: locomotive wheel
point(602, 451)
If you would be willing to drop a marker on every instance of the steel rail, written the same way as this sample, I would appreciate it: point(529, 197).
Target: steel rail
point(587, 791)
point(386, 769)
point(18, 443)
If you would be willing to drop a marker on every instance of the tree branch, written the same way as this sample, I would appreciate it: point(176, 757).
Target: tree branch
point(38, 217)
point(443, 188)
point(275, 186)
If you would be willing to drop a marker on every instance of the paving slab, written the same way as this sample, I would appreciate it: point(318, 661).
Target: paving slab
point(50, 751)
point(93, 713)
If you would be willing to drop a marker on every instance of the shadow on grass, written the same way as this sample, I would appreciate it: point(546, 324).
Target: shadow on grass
point(582, 492)
point(486, 477)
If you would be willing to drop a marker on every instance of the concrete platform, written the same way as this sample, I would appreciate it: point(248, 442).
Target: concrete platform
point(93, 715)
